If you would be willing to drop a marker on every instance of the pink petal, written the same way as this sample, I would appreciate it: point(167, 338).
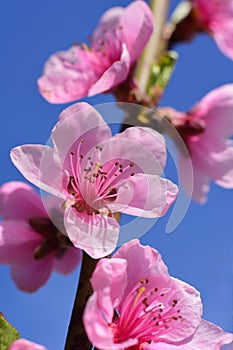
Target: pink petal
point(216, 164)
point(31, 276)
point(23, 344)
point(208, 336)
point(97, 328)
point(71, 111)
point(147, 261)
point(190, 306)
point(109, 20)
point(216, 109)
point(67, 76)
point(144, 195)
point(141, 147)
point(40, 166)
point(222, 34)
point(96, 234)
point(200, 187)
point(17, 242)
point(114, 75)
point(136, 32)
point(19, 201)
point(69, 261)
point(79, 122)
point(108, 281)
point(148, 140)
point(226, 179)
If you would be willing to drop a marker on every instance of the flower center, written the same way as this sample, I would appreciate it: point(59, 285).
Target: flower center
point(146, 313)
point(93, 185)
point(53, 239)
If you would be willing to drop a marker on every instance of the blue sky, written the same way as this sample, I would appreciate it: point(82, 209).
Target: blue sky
point(199, 251)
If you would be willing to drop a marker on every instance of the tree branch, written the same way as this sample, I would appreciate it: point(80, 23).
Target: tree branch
point(155, 45)
point(76, 337)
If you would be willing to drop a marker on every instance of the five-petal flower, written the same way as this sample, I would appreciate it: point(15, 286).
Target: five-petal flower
point(206, 130)
point(136, 305)
point(115, 46)
point(29, 242)
point(96, 175)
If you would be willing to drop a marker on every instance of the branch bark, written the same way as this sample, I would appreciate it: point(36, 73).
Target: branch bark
point(76, 337)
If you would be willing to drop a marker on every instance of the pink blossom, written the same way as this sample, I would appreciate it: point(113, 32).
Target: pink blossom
point(23, 344)
point(115, 46)
point(216, 16)
point(136, 305)
point(135, 301)
point(206, 130)
point(96, 175)
point(29, 242)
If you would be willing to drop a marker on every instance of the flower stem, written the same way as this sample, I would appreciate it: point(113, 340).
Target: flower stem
point(76, 337)
point(155, 45)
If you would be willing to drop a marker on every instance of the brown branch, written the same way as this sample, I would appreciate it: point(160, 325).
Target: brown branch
point(76, 337)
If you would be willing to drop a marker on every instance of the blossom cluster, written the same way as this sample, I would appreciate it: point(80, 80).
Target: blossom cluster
point(92, 177)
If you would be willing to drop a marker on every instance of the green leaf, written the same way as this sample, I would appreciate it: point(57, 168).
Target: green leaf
point(7, 333)
point(160, 75)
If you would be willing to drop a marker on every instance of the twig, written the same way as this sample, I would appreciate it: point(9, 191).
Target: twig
point(155, 45)
point(76, 337)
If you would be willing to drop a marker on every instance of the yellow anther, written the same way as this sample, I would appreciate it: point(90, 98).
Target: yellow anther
point(141, 290)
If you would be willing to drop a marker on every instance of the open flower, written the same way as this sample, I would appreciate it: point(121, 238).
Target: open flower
point(115, 46)
point(29, 242)
point(23, 344)
point(97, 175)
point(216, 17)
point(136, 305)
point(206, 130)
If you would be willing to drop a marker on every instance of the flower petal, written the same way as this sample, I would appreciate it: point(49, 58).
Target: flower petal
point(67, 76)
point(71, 111)
point(108, 281)
point(200, 187)
point(79, 121)
point(208, 336)
point(23, 344)
point(97, 328)
point(216, 109)
point(96, 234)
point(148, 140)
point(18, 200)
point(40, 165)
point(114, 75)
point(144, 195)
point(222, 34)
point(141, 261)
point(188, 311)
point(217, 163)
point(109, 20)
point(136, 151)
point(31, 276)
point(69, 261)
point(17, 242)
point(136, 32)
